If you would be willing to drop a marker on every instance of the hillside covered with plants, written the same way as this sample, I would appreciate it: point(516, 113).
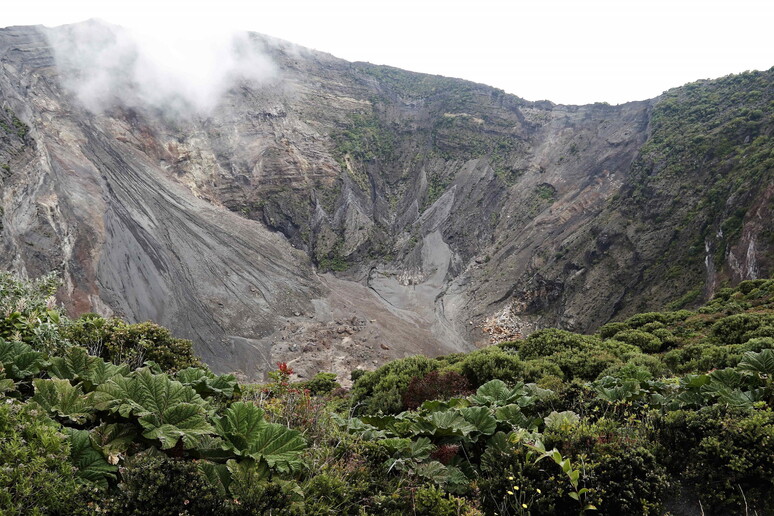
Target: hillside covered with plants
point(665, 412)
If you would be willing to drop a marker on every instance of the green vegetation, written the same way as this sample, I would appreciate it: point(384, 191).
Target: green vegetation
point(663, 409)
point(10, 124)
point(545, 192)
point(366, 138)
point(708, 157)
point(436, 186)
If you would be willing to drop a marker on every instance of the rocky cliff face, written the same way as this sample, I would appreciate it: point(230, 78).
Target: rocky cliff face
point(342, 214)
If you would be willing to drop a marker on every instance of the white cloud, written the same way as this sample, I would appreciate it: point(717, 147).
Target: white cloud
point(175, 71)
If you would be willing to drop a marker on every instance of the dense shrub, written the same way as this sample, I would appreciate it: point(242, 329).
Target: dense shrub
point(737, 329)
point(747, 286)
point(667, 338)
point(119, 342)
point(727, 454)
point(432, 501)
point(489, 364)
point(620, 349)
point(636, 321)
point(541, 368)
point(608, 330)
point(36, 476)
point(547, 342)
point(628, 371)
point(382, 390)
point(28, 312)
point(329, 494)
point(167, 486)
point(584, 364)
point(511, 480)
point(322, 384)
point(629, 480)
point(647, 342)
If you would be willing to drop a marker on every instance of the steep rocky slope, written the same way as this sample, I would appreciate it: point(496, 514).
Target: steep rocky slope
point(442, 210)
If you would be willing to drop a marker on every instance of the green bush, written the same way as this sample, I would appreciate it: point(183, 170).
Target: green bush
point(432, 501)
point(608, 330)
point(757, 344)
point(725, 454)
point(630, 481)
point(543, 343)
point(584, 364)
point(535, 370)
point(647, 342)
point(121, 343)
point(329, 494)
point(542, 486)
point(747, 286)
point(28, 313)
point(165, 486)
point(36, 476)
point(492, 363)
point(620, 349)
point(667, 338)
point(382, 390)
point(653, 364)
point(636, 321)
point(737, 329)
point(628, 371)
point(322, 384)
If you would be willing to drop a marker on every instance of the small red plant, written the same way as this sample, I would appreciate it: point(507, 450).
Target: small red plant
point(435, 386)
point(284, 368)
point(445, 453)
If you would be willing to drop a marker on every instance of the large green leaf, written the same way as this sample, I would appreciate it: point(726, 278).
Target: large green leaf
point(185, 421)
point(359, 428)
point(761, 363)
point(495, 393)
point(614, 390)
point(513, 415)
point(212, 447)
point(279, 447)
point(166, 409)
point(417, 450)
point(206, 383)
point(247, 472)
point(62, 399)
point(75, 363)
point(246, 433)
point(217, 475)
point(441, 405)
point(739, 398)
point(380, 421)
point(562, 421)
point(240, 425)
point(6, 384)
point(445, 476)
point(694, 381)
point(122, 395)
point(481, 418)
point(729, 377)
point(90, 462)
point(443, 424)
point(19, 360)
point(78, 366)
point(113, 438)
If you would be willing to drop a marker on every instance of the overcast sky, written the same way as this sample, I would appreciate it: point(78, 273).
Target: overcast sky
point(567, 51)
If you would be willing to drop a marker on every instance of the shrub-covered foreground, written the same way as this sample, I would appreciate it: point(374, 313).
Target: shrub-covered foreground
point(662, 413)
